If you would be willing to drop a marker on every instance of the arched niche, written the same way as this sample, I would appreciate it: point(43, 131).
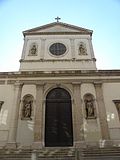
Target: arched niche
point(27, 107)
point(89, 106)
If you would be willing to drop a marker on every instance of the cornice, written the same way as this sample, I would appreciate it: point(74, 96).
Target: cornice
point(65, 81)
point(102, 74)
point(56, 60)
point(58, 33)
point(65, 25)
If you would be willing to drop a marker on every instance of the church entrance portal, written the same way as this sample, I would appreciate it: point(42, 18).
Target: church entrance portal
point(58, 119)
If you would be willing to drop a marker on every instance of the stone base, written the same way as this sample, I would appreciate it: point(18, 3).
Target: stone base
point(2, 145)
point(97, 144)
point(37, 145)
point(103, 144)
point(80, 144)
point(116, 143)
point(11, 145)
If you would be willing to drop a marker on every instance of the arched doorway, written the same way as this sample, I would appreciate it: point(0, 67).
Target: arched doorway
point(58, 118)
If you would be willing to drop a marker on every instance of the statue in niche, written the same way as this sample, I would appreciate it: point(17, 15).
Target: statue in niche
point(27, 109)
point(33, 50)
point(82, 49)
point(89, 109)
point(89, 106)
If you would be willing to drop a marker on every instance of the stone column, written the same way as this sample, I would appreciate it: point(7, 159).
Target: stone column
point(15, 115)
point(102, 111)
point(77, 116)
point(38, 122)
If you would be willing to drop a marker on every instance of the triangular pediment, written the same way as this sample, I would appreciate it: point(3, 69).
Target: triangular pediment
point(57, 27)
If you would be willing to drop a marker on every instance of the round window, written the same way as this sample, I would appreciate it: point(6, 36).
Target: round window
point(57, 49)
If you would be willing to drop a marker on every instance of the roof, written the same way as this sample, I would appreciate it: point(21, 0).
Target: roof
point(57, 27)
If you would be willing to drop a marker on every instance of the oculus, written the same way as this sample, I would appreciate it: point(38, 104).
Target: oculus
point(57, 49)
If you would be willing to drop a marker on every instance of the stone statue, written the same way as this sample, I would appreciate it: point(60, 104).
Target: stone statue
point(82, 49)
point(89, 106)
point(27, 109)
point(33, 50)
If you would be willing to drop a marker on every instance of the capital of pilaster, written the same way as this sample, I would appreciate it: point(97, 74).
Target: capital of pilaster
point(43, 39)
point(18, 84)
point(98, 83)
point(39, 84)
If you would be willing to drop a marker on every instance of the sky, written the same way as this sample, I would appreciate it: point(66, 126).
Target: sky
point(101, 16)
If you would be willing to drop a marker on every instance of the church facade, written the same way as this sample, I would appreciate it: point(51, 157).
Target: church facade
point(58, 98)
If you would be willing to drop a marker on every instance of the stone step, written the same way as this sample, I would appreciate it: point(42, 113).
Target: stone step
point(14, 158)
point(65, 158)
point(57, 152)
point(42, 154)
point(62, 154)
point(101, 153)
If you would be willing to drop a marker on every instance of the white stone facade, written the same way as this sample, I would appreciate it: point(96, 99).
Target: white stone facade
point(70, 60)
point(77, 74)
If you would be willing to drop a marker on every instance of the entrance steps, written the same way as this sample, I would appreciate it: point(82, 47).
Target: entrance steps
point(100, 153)
point(41, 154)
point(61, 154)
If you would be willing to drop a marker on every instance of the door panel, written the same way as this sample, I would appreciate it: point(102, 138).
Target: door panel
point(58, 121)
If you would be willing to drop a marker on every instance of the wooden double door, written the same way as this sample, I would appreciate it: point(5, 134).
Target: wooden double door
point(58, 119)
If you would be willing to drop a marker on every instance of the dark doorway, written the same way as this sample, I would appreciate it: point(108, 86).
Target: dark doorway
point(58, 119)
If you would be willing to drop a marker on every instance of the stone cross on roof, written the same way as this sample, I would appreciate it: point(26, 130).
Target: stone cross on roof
point(57, 18)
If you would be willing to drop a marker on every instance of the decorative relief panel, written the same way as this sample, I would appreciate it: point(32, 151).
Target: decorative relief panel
point(27, 107)
point(89, 106)
point(33, 49)
point(82, 49)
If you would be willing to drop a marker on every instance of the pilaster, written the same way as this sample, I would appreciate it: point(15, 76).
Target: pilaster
point(38, 124)
point(102, 111)
point(15, 115)
point(24, 48)
point(72, 48)
point(77, 115)
point(42, 51)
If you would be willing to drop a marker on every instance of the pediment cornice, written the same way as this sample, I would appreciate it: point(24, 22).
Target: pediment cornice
point(58, 28)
